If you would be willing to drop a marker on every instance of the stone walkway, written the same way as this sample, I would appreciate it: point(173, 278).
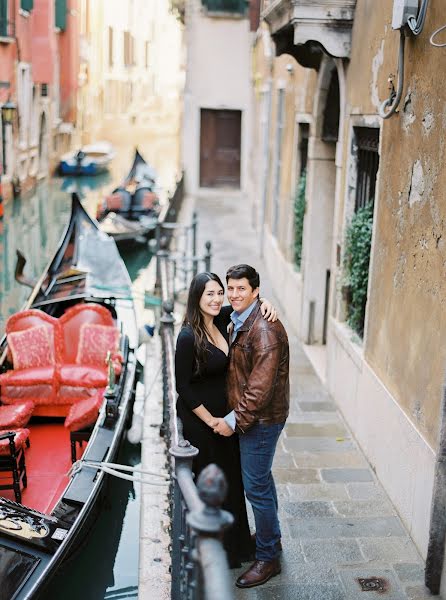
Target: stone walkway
point(338, 525)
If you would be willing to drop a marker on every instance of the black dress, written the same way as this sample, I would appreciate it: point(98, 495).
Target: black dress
point(209, 389)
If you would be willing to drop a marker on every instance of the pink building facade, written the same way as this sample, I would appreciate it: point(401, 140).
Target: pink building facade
point(38, 74)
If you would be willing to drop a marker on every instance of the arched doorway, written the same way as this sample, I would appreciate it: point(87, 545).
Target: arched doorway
point(321, 194)
point(43, 145)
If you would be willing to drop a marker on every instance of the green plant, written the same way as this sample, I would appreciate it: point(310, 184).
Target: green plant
point(299, 213)
point(358, 241)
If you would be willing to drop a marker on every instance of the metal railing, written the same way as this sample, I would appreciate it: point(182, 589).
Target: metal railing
point(183, 256)
point(199, 564)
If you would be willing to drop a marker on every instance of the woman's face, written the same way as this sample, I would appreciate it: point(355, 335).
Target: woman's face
point(212, 299)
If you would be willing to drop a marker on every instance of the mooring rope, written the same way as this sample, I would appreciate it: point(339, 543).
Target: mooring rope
point(114, 469)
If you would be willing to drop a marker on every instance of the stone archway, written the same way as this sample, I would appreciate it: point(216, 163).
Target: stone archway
point(43, 145)
point(321, 192)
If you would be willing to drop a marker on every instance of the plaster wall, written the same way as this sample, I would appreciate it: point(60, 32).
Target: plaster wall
point(407, 284)
point(218, 76)
point(402, 458)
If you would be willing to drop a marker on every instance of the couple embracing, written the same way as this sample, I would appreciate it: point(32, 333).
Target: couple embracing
point(232, 374)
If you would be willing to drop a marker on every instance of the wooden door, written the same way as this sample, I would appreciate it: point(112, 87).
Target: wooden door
point(220, 139)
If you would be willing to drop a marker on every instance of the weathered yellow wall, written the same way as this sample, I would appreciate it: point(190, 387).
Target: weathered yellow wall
point(405, 342)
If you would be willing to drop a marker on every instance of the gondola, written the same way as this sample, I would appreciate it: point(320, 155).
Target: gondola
point(130, 212)
point(92, 159)
point(44, 518)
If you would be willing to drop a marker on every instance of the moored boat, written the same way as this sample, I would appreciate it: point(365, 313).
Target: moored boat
point(67, 363)
point(131, 211)
point(91, 159)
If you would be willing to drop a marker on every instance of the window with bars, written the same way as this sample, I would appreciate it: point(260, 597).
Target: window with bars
point(367, 142)
point(304, 135)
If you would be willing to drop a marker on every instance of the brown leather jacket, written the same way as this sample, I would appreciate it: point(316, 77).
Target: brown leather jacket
point(258, 373)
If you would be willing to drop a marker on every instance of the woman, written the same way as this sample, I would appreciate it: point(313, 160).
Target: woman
point(201, 361)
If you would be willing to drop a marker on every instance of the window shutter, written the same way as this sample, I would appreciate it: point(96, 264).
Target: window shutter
point(4, 17)
point(61, 14)
point(27, 4)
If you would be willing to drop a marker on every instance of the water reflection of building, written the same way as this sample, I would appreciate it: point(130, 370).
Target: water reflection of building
point(33, 226)
point(38, 73)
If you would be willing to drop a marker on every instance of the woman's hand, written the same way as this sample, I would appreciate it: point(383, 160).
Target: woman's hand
point(212, 422)
point(268, 311)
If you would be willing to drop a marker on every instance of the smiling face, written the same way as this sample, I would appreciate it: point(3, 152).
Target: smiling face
point(212, 299)
point(240, 294)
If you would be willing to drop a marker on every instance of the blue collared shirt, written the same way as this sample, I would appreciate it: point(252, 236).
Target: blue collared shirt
point(238, 320)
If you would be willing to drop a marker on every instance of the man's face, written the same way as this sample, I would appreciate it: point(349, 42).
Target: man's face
point(240, 294)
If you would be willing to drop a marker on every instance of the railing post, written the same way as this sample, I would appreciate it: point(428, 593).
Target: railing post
point(209, 524)
point(167, 321)
point(207, 256)
point(183, 455)
point(194, 244)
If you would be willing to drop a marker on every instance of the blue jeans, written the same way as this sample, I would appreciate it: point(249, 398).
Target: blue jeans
point(257, 448)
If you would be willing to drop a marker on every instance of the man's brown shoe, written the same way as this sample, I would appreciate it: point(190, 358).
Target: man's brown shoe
point(259, 573)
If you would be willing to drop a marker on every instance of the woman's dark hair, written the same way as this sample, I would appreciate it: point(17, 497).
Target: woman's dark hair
point(241, 271)
point(194, 317)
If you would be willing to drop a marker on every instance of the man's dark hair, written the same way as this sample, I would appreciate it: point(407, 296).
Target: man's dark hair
point(240, 271)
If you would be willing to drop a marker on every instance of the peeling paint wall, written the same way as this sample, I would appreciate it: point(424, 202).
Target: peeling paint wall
point(405, 341)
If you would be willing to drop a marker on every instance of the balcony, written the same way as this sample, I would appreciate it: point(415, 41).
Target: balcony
point(226, 7)
point(308, 28)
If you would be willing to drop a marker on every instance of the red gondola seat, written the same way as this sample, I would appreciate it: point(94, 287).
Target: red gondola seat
point(58, 362)
point(12, 461)
point(14, 416)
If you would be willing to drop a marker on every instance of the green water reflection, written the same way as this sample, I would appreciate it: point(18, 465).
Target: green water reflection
point(107, 564)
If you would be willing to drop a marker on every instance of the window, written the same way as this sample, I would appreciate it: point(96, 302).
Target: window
point(24, 96)
point(129, 42)
point(61, 14)
point(278, 161)
point(26, 5)
point(110, 46)
point(367, 140)
point(226, 6)
point(4, 18)
point(330, 125)
point(146, 55)
point(304, 134)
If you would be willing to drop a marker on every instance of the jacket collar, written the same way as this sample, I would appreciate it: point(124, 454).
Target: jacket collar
point(250, 320)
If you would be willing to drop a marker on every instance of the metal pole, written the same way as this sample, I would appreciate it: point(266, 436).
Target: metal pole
point(194, 243)
point(437, 530)
point(207, 256)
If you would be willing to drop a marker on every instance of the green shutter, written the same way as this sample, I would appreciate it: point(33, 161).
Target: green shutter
point(4, 17)
point(27, 4)
point(61, 14)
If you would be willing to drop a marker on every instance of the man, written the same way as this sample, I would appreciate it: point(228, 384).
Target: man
point(258, 393)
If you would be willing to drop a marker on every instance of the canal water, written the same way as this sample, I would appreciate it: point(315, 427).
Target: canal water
point(106, 565)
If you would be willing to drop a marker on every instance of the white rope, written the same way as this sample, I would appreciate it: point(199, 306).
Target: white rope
point(114, 469)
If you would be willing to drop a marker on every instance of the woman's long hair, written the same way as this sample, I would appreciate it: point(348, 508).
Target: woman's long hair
point(194, 317)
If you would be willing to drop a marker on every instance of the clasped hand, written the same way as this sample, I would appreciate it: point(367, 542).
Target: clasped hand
point(220, 426)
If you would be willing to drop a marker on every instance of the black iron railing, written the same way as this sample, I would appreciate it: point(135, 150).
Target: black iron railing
point(199, 565)
point(183, 256)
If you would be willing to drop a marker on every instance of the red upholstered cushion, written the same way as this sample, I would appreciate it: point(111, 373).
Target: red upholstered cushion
point(84, 413)
point(31, 348)
point(20, 438)
point(73, 319)
point(34, 376)
point(83, 375)
point(33, 317)
point(94, 343)
point(15, 415)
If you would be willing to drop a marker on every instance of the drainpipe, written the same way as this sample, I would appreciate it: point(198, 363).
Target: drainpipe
point(437, 529)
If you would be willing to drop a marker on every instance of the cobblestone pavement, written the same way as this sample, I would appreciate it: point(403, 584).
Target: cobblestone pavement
point(338, 525)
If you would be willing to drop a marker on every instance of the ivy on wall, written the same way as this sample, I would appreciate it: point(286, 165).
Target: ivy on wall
point(299, 213)
point(358, 242)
